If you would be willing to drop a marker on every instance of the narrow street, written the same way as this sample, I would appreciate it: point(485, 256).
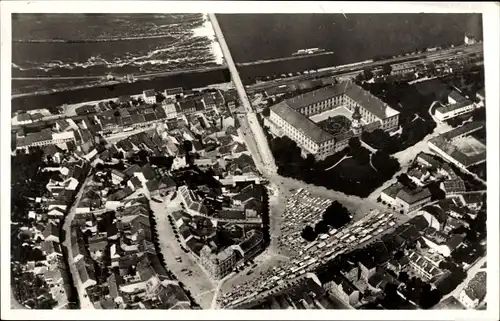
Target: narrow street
point(85, 302)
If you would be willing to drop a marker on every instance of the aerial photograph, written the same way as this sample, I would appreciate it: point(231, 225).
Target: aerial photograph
point(248, 161)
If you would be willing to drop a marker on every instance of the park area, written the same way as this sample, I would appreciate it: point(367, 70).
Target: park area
point(353, 170)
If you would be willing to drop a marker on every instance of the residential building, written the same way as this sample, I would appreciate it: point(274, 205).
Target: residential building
point(149, 96)
point(170, 109)
point(44, 138)
point(173, 92)
point(209, 101)
point(423, 266)
point(453, 186)
point(404, 198)
point(186, 106)
point(86, 271)
point(446, 247)
point(161, 187)
point(453, 110)
point(251, 245)
point(51, 233)
point(23, 119)
point(117, 177)
point(218, 265)
point(344, 289)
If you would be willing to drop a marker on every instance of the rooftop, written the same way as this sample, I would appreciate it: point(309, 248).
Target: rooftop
point(452, 107)
point(414, 196)
point(149, 93)
point(301, 122)
point(455, 95)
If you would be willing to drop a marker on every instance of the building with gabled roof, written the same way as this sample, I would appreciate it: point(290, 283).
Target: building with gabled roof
point(343, 289)
point(291, 116)
point(86, 271)
point(51, 232)
point(149, 96)
point(194, 205)
point(173, 92)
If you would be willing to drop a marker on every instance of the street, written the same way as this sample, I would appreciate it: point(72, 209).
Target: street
point(263, 150)
point(85, 302)
point(199, 283)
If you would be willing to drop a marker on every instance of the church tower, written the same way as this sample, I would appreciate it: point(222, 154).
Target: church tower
point(356, 122)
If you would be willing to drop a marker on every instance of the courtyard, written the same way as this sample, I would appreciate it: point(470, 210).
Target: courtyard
point(336, 124)
point(338, 111)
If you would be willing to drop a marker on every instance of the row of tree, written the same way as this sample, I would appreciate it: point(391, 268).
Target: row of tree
point(358, 175)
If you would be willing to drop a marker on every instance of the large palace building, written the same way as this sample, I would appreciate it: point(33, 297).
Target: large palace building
point(291, 117)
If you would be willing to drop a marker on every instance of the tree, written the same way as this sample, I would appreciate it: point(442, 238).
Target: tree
point(386, 69)
point(390, 291)
point(336, 215)
point(430, 299)
point(359, 78)
point(367, 74)
point(266, 112)
point(321, 227)
point(308, 233)
point(403, 277)
point(385, 164)
point(354, 144)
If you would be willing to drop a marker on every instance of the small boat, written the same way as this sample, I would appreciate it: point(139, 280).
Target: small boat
point(309, 51)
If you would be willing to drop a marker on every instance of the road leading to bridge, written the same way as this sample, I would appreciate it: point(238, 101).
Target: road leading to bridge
point(257, 133)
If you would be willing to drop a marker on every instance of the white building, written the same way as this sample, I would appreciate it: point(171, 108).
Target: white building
point(170, 110)
point(149, 96)
point(454, 110)
point(469, 39)
point(43, 138)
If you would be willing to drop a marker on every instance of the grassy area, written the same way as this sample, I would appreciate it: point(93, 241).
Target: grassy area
point(353, 176)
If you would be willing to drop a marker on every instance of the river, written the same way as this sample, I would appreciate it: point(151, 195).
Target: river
point(252, 37)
